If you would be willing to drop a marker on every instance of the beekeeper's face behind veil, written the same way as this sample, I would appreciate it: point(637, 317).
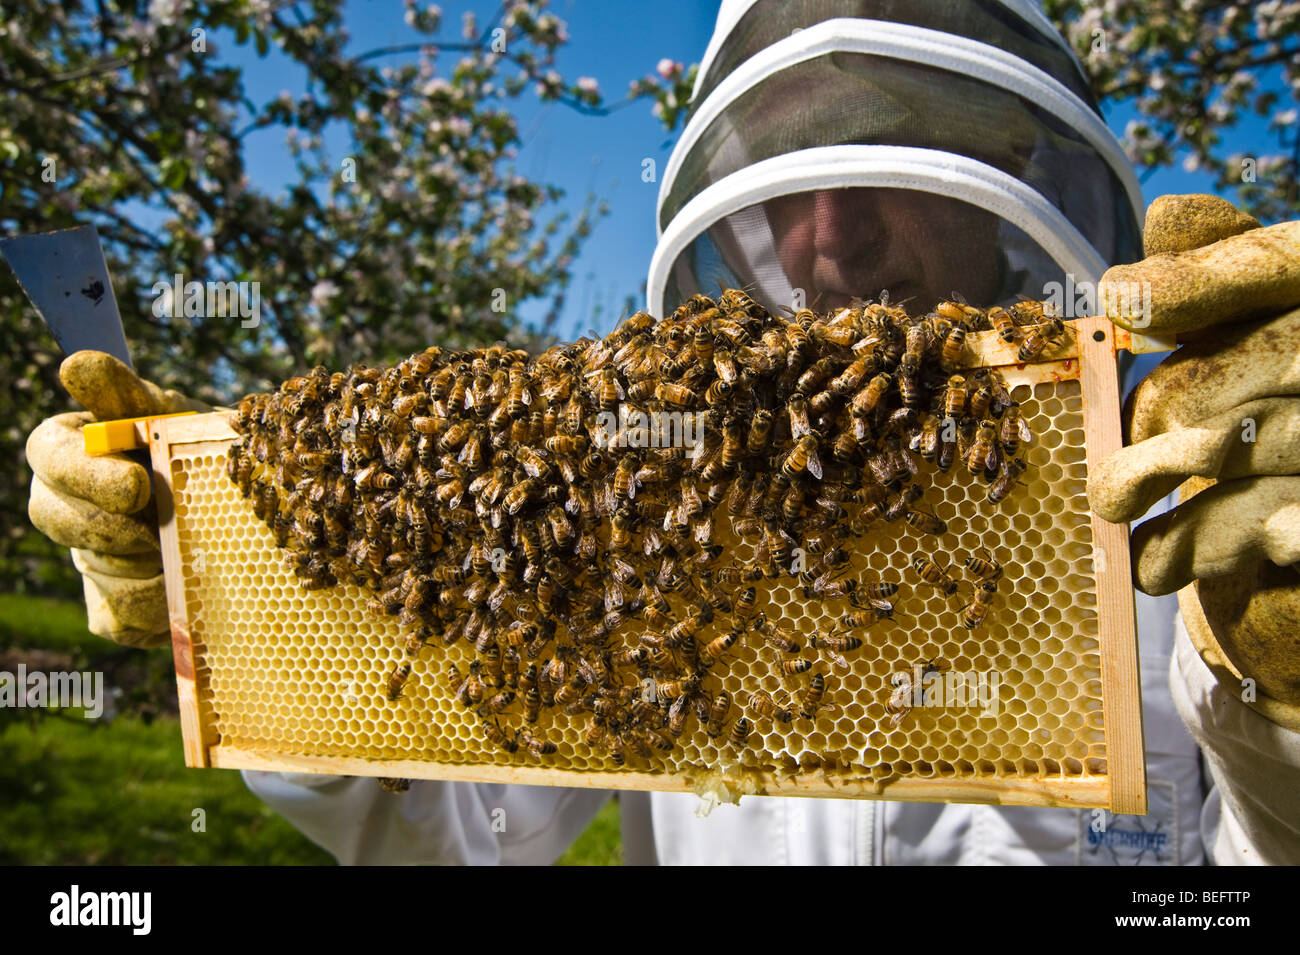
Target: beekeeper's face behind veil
point(838, 244)
point(841, 148)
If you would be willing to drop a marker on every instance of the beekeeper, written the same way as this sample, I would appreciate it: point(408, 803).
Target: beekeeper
point(918, 147)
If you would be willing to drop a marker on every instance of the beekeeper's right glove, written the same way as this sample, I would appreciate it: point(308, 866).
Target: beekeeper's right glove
point(100, 506)
point(1224, 406)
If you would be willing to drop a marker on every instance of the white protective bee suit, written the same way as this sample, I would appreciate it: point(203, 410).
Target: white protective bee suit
point(980, 104)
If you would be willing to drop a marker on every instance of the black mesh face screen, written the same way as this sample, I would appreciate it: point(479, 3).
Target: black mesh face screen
point(985, 21)
point(845, 243)
point(864, 99)
point(824, 248)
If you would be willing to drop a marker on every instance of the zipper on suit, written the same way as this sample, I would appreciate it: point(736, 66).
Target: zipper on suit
point(865, 850)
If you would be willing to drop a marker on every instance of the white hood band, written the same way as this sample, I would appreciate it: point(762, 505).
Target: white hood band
point(895, 167)
point(916, 45)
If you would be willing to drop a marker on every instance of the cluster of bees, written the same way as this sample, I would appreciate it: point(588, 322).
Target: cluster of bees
point(479, 497)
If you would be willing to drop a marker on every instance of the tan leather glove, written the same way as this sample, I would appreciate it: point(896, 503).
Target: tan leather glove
point(1224, 407)
point(100, 506)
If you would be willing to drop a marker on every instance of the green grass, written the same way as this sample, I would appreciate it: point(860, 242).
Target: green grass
point(601, 843)
point(45, 623)
point(76, 791)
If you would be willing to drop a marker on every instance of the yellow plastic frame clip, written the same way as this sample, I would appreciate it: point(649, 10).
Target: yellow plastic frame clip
point(122, 434)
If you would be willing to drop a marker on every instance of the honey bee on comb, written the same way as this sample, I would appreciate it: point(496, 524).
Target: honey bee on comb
point(598, 532)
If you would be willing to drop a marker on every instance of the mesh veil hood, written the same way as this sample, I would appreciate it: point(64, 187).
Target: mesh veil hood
point(971, 116)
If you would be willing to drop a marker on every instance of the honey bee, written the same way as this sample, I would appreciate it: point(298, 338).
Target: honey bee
point(839, 643)
point(985, 568)
point(1006, 480)
point(954, 345)
point(909, 386)
point(566, 444)
point(391, 784)
point(675, 688)
point(682, 633)
point(724, 363)
point(739, 735)
point(827, 588)
point(799, 344)
point(898, 505)
point(397, 679)
point(763, 704)
point(678, 714)
point(926, 523)
point(917, 340)
point(1039, 338)
point(954, 397)
point(609, 390)
point(907, 692)
point(803, 456)
point(717, 648)
point(676, 394)
point(983, 448)
point(982, 601)
point(1029, 312)
point(775, 637)
point(496, 736)
point(933, 574)
point(798, 411)
point(848, 381)
point(718, 711)
point(795, 667)
point(926, 440)
point(760, 432)
point(869, 397)
point(1002, 324)
point(814, 698)
point(1014, 429)
point(981, 401)
point(702, 342)
point(498, 702)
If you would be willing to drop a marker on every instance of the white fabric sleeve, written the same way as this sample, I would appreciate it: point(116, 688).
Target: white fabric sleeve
point(1252, 815)
point(434, 823)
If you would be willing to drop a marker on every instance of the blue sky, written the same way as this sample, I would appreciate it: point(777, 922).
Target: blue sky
point(614, 41)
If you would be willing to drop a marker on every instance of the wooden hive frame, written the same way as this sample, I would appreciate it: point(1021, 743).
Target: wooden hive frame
point(1087, 354)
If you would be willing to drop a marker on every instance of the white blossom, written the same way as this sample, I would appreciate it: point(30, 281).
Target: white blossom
point(323, 292)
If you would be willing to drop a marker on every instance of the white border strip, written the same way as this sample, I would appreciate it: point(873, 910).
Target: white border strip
point(895, 167)
point(915, 45)
point(733, 11)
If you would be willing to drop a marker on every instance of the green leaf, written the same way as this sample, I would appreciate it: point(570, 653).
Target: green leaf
point(173, 171)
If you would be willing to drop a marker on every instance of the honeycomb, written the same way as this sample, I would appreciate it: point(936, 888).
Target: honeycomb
point(288, 672)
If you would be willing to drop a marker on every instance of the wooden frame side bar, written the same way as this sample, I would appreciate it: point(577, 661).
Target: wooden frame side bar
point(1116, 614)
point(187, 691)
